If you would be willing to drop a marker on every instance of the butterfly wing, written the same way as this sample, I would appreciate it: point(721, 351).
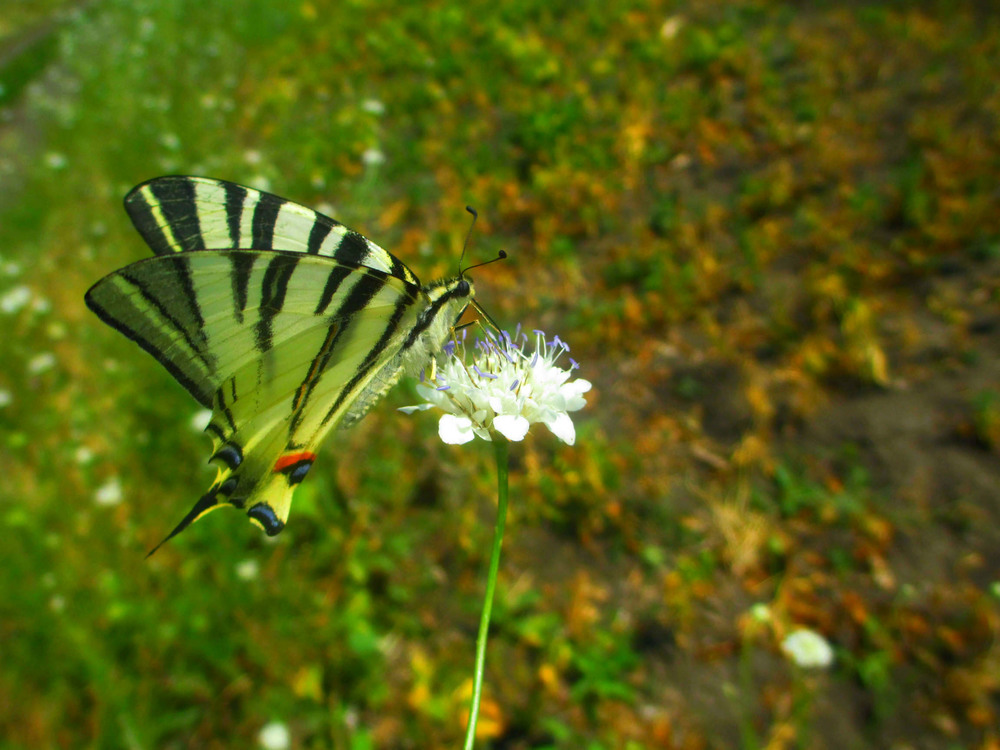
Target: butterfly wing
point(306, 335)
point(281, 320)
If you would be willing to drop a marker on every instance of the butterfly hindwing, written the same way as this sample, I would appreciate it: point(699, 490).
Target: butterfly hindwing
point(284, 340)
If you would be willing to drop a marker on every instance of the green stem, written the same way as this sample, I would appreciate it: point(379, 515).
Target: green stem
point(500, 446)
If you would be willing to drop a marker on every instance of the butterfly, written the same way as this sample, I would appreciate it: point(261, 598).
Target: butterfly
point(282, 321)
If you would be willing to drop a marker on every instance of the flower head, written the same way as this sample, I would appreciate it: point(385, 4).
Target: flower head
point(504, 389)
point(274, 736)
point(109, 493)
point(807, 648)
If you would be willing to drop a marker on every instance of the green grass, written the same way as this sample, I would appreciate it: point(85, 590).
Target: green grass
point(737, 214)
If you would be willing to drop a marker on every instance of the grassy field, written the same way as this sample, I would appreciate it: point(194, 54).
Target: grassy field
point(770, 232)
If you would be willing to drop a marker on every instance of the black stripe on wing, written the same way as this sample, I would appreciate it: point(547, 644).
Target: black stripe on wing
point(265, 218)
point(236, 196)
point(242, 266)
point(198, 348)
point(220, 405)
point(276, 277)
point(359, 297)
point(166, 216)
point(183, 273)
point(350, 388)
point(199, 390)
point(318, 234)
point(333, 282)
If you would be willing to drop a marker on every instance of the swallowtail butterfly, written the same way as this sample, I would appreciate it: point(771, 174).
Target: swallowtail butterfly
point(282, 321)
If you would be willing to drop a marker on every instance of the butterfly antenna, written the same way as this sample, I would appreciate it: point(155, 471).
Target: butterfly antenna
point(462, 271)
point(468, 236)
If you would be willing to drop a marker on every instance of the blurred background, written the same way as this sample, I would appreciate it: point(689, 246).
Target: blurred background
point(770, 233)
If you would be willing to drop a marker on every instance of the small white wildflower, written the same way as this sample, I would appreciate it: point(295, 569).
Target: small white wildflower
point(109, 493)
point(671, 27)
point(200, 420)
point(41, 363)
point(170, 141)
point(252, 156)
point(5, 398)
point(372, 157)
point(247, 570)
point(83, 455)
point(504, 390)
point(373, 107)
point(15, 299)
point(55, 160)
point(274, 736)
point(808, 649)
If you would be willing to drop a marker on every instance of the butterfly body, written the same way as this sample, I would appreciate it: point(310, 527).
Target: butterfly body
point(282, 321)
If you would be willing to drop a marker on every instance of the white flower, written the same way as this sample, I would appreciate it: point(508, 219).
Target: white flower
point(504, 390)
point(5, 397)
point(109, 493)
point(247, 570)
point(808, 649)
point(373, 106)
point(55, 160)
point(15, 299)
point(671, 27)
point(274, 736)
point(41, 363)
point(372, 157)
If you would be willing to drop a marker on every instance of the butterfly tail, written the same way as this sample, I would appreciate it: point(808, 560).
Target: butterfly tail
point(208, 502)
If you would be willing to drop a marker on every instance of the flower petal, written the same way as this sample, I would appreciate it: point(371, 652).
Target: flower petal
point(562, 427)
point(417, 407)
point(511, 426)
point(455, 430)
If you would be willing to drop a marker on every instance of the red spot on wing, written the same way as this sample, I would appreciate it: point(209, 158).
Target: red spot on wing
point(289, 459)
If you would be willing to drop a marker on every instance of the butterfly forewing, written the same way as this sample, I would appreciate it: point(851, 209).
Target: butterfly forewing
point(180, 213)
point(285, 339)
